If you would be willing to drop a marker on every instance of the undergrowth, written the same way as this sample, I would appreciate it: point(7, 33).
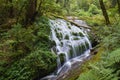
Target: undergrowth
point(107, 67)
point(25, 52)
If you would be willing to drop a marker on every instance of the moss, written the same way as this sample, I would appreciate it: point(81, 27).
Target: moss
point(66, 37)
point(68, 24)
point(75, 34)
point(76, 38)
point(71, 53)
point(62, 58)
point(59, 35)
point(86, 66)
point(83, 48)
point(87, 45)
point(81, 35)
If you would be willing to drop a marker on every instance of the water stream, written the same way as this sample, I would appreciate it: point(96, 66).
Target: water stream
point(71, 45)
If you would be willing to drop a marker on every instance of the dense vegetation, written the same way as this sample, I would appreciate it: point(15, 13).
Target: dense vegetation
point(105, 65)
point(25, 48)
point(24, 37)
point(26, 52)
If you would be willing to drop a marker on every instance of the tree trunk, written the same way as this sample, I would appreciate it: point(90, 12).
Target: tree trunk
point(11, 15)
point(118, 2)
point(104, 12)
point(31, 11)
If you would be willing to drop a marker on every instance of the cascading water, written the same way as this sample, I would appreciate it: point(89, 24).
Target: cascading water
point(72, 44)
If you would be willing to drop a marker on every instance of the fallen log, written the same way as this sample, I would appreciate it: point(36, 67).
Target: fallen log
point(72, 22)
point(78, 25)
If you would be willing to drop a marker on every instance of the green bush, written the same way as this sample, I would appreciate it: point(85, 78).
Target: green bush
point(93, 9)
point(83, 13)
point(26, 52)
point(107, 68)
point(34, 65)
point(112, 41)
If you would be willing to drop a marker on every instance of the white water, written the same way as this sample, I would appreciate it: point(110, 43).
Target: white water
point(72, 45)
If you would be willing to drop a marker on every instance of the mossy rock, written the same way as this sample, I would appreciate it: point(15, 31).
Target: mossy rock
point(59, 35)
point(71, 53)
point(76, 38)
point(62, 58)
point(66, 37)
point(75, 34)
point(81, 35)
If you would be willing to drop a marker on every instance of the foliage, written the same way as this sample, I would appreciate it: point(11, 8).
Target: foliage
point(109, 35)
point(30, 67)
point(25, 52)
point(106, 69)
point(25, 47)
point(112, 41)
point(84, 13)
point(3, 12)
point(93, 9)
point(49, 6)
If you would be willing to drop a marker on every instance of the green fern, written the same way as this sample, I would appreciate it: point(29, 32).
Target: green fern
point(113, 57)
point(106, 69)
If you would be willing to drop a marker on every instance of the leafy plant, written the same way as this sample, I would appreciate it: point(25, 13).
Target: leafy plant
point(93, 9)
point(112, 41)
point(106, 69)
point(26, 52)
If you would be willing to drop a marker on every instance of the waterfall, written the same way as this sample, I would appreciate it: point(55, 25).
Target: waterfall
point(71, 44)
